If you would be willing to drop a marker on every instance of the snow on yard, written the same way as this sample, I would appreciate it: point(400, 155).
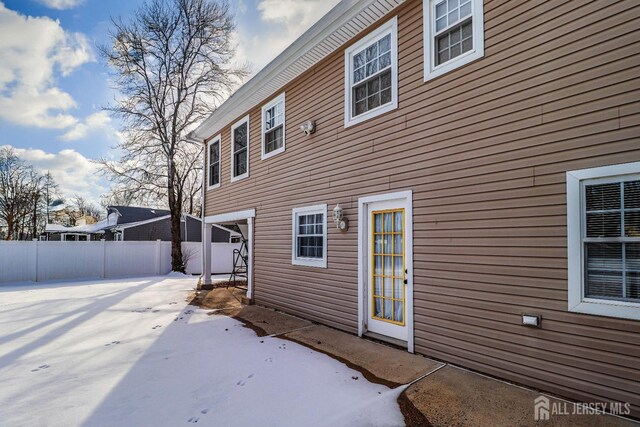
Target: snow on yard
point(133, 353)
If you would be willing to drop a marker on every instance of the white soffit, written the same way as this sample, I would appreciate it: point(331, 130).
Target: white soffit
point(344, 22)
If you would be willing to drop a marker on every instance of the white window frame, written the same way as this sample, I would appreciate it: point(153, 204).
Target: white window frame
point(432, 71)
point(271, 104)
point(390, 27)
point(233, 151)
point(577, 302)
point(217, 139)
point(308, 210)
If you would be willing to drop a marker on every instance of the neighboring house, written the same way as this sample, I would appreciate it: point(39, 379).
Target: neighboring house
point(126, 223)
point(487, 159)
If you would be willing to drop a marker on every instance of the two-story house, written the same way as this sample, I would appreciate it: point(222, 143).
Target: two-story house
point(482, 161)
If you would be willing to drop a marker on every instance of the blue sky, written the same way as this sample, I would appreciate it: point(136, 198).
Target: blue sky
point(53, 84)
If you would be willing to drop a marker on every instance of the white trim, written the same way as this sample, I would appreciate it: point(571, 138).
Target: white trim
point(239, 123)
point(407, 196)
point(577, 302)
point(432, 71)
point(268, 105)
point(250, 246)
point(230, 216)
point(344, 22)
point(390, 27)
point(135, 224)
point(308, 210)
point(217, 139)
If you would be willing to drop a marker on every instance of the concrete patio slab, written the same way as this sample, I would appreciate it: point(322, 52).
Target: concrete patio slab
point(377, 362)
point(456, 397)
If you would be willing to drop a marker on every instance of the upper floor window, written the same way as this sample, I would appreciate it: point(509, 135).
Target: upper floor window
point(454, 34)
point(240, 150)
point(371, 81)
point(213, 170)
point(603, 206)
point(310, 236)
point(273, 127)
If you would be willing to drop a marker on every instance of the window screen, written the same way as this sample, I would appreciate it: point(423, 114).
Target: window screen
point(611, 238)
point(214, 163)
point(310, 236)
point(240, 139)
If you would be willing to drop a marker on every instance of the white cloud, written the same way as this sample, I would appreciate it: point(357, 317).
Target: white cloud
point(74, 173)
point(32, 50)
point(283, 22)
point(96, 122)
point(61, 4)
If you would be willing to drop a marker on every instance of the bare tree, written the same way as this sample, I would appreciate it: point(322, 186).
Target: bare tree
point(22, 197)
point(172, 63)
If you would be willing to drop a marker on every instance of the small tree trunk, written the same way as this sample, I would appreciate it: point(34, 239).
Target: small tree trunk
point(175, 207)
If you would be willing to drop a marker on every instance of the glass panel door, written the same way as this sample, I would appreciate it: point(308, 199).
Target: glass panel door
point(387, 276)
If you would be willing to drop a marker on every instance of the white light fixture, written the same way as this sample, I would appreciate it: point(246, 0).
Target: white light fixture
point(308, 128)
point(532, 320)
point(338, 217)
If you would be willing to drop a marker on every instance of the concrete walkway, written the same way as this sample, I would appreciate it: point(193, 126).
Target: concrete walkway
point(436, 394)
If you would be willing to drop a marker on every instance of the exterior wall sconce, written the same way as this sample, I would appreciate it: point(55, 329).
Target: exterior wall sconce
point(309, 127)
point(338, 217)
point(531, 320)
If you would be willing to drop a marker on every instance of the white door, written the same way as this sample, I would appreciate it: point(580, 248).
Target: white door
point(385, 279)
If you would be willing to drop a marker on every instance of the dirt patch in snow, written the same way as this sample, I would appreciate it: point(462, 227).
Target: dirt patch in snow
point(412, 415)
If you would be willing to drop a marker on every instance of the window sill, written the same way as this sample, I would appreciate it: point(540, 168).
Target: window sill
point(213, 187)
point(370, 114)
point(239, 177)
point(619, 309)
point(452, 64)
point(271, 154)
point(310, 262)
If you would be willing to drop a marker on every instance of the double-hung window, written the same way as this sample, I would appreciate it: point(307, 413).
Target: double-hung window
point(309, 246)
point(213, 170)
point(240, 150)
point(371, 80)
point(273, 127)
point(603, 218)
point(454, 34)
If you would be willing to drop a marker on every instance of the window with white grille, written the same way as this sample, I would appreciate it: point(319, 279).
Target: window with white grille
point(309, 246)
point(372, 75)
point(273, 127)
point(454, 34)
point(240, 150)
point(213, 157)
point(605, 243)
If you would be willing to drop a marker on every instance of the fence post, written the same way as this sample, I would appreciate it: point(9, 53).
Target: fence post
point(35, 255)
point(104, 258)
point(158, 257)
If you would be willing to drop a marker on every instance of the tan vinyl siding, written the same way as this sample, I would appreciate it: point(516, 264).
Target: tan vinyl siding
point(485, 149)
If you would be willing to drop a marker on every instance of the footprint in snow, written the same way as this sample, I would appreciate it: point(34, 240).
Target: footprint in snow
point(242, 383)
point(269, 359)
point(204, 411)
point(155, 311)
point(193, 420)
point(112, 343)
point(156, 327)
point(41, 367)
point(188, 312)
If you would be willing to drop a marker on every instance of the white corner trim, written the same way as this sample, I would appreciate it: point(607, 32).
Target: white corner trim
point(239, 123)
point(217, 139)
point(390, 27)
point(230, 216)
point(576, 300)
point(432, 71)
point(407, 197)
point(274, 101)
point(308, 210)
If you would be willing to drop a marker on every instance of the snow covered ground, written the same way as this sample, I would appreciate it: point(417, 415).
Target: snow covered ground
point(133, 353)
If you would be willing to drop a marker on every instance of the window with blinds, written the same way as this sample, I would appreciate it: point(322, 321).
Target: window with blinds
point(611, 240)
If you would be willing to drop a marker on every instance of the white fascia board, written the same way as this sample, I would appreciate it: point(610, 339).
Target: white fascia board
point(271, 79)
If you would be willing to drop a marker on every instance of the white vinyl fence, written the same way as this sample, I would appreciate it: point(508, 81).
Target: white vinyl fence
point(42, 261)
